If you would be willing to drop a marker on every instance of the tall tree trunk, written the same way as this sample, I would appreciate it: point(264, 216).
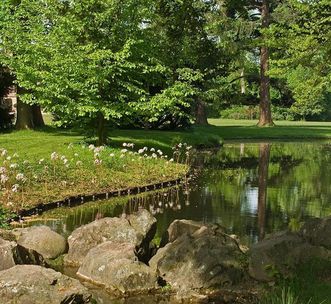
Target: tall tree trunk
point(200, 113)
point(24, 119)
point(242, 82)
point(38, 120)
point(102, 134)
point(263, 184)
point(265, 107)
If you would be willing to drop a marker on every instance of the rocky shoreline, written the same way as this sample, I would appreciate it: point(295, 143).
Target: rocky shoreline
point(195, 263)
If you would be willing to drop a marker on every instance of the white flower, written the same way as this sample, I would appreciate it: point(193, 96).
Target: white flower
point(63, 157)
point(141, 151)
point(3, 152)
point(79, 163)
point(14, 188)
point(160, 152)
point(54, 156)
point(145, 155)
point(96, 155)
point(99, 149)
point(111, 154)
point(65, 161)
point(154, 155)
point(41, 161)
point(131, 145)
point(8, 158)
point(3, 178)
point(20, 176)
point(91, 147)
point(124, 144)
point(98, 162)
point(2, 170)
point(152, 150)
point(122, 155)
point(76, 154)
point(171, 159)
point(180, 145)
point(13, 166)
point(124, 150)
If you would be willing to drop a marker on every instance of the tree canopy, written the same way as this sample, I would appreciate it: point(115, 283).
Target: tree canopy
point(162, 64)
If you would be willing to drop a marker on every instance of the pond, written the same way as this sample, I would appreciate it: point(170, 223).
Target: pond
point(252, 189)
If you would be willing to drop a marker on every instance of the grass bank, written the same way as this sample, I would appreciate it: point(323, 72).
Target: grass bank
point(229, 129)
point(50, 165)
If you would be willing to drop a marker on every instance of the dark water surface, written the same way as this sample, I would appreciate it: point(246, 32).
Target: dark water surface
point(251, 189)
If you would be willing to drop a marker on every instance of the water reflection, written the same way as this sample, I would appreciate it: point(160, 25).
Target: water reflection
point(252, 189)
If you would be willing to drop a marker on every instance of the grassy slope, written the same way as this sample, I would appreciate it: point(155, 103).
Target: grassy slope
point(284, 130)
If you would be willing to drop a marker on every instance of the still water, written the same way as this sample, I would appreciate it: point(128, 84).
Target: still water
point(252, 189)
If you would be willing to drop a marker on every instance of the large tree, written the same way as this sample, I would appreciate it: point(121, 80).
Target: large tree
point(301, 37)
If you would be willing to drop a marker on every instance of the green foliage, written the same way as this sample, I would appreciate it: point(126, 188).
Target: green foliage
point(285, 296)
point(300, 35)
point(4, 215)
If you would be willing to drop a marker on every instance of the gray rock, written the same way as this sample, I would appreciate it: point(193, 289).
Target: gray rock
point(12, 254)
point(6, 254)
point(279, 254)
point(318, 232)
point(116, 267)
point(206, 259)
point(179, 227)
point(143, 222)
point(137, 230)
point(43, 240)
point(28, 284)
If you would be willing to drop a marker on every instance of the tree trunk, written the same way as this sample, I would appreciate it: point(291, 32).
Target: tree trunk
point(263, 184)
point(242, 82)
point(200, 113)
point(38, 120)
point(102, 134)
point(24, 119)
point(265, 107)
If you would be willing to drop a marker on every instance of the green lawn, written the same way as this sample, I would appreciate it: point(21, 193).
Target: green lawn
point(284, 130)
point(29, 175)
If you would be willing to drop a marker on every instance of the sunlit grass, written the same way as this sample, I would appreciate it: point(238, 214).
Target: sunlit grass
point(40, 167)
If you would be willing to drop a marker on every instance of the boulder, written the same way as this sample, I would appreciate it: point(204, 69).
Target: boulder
point(279, 254)
point(43, 240)
point(143, 222)
point(6, 254)
point(208, 258)
point(133, 230)
point(29, 284)
point(116, 267)
point(177, 228)
point(12, 254)
point(318, 231)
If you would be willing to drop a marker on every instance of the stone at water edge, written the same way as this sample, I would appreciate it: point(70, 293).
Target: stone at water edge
point(29, 284)
point(12, 254)
point(317, 231)
point(116, 267)
point(143, 222)
point(6, 254)
point(43, 240)
point(280, 254)
point(206, 259)
point(118, 230)
point(179, 227)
